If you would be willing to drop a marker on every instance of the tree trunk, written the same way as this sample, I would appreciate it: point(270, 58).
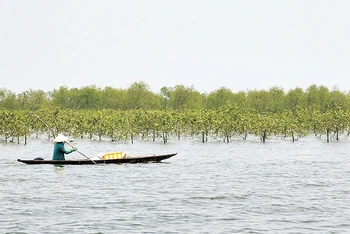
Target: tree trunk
point(165, 137)
point(337, 135)
point(264, 136)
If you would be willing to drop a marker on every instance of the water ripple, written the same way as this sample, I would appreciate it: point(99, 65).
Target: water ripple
point(241, 187)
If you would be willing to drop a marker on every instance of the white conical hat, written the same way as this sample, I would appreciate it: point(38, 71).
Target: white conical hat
point(60, 138)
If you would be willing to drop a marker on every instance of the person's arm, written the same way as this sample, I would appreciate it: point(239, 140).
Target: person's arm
point(67, 151)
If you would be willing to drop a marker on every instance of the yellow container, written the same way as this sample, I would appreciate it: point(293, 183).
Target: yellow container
point(113, 155)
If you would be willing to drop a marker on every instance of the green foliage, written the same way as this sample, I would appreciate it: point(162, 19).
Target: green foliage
point(222, 97)
point(139, 96)
point(154, 125)
point(182, 98)
point(138, 113)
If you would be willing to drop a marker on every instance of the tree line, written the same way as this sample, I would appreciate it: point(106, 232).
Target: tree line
point(157, 125)
point(139, 96)
point(137, 113)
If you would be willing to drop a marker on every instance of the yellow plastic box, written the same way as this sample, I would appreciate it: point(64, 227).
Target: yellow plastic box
point(113, 155)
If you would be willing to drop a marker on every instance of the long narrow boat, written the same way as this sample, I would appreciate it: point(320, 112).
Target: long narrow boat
point(135, 159)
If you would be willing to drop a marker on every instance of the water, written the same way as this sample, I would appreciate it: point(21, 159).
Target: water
point(240, 187)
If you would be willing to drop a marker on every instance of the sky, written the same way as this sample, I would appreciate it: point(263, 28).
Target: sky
point(205, 44)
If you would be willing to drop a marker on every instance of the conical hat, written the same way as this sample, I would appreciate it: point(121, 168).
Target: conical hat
point(60, 138)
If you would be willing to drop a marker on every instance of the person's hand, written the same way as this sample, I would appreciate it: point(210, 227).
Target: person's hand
point(74, 149)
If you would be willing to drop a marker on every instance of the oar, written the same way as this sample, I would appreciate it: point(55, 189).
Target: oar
point(65, 141)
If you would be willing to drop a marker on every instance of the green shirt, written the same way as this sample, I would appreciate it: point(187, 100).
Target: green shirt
point(59, 151)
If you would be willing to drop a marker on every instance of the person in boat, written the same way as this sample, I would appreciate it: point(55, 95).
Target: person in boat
point(59, 150)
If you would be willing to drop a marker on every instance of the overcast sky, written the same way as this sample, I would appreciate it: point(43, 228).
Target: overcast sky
point(238, 44)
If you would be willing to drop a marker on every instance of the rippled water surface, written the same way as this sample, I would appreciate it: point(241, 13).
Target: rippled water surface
point(240, 187)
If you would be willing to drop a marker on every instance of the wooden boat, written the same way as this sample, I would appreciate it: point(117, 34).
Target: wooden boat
point(135, 159)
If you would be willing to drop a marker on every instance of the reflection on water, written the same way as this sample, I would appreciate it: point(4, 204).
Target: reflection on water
point(58, 168)
point(241, 187)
